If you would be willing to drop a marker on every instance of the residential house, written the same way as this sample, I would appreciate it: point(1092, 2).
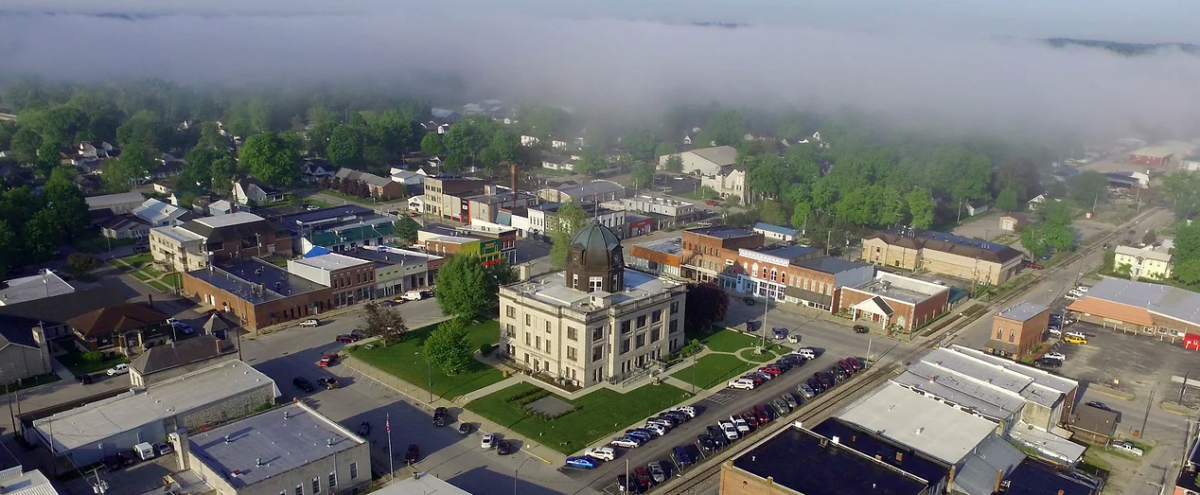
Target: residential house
point(159, 214)
point(379, 187)
point(444, 115)
point(163, 187)
point(703, 161)
point(728, 183)
point(409, 179)
point(253, 191)
point(126, 329)
point(125, 227)
point(974, 209)
point(317, 168)
point(777, 233)
point(221, 207)
point(177, 358)
point(118, 203)
point(1152, 262)
point(562, 162)
point(435, 126)
point(529, 141)
point(52, 301)
point(1036, 201)
point(24, 351)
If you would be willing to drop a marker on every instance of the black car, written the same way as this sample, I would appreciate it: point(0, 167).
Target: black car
point(1049, 363)
point(748, 300)
point(303, 384)
point(439, 416)
point(826, 379)
point(816, 385)
point(706, 444)
point(364, 429)
point(465, 428)
point(861, 329)
point(717, 436)
point(783, 365)
point(681, 456)
point(1099, 405)
point(413, 454)
point(839, 373)
point(84, 379)
point(504, 447)
point(679, 416)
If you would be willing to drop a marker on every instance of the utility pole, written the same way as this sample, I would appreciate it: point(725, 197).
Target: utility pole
point(1145, 417)
point(960, 202)
point(1094, 203)
point(828, 238)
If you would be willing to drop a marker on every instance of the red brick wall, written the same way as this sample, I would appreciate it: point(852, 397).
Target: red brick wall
point(258, 316)
point(232, 248)
point(930, 308)
point(850, 297)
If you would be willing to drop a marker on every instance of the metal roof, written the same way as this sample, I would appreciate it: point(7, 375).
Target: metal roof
point(995, 387)
point(235, 218)
point(1159, 299)
point(283, 439)
point(993, 455)
point(33, 287)
point(1022, 311)
point(591, 188)
point(99, 421)
point(830, 265)
point(719, 155)
point(155, 211)
point(344, 212)
point(255, 281)
point(722, 232)
point(931, 426)
point(775, 228)
point(110, 200)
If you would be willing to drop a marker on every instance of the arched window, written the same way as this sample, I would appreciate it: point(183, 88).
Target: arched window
point(1000, 334)
point(1012, 335)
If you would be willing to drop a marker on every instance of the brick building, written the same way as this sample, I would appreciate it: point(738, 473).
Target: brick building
point(708, 251)
point(1018, 329)
point(202, 241)
point(125, 329)
point(947, 254)
point(445, 195)
point(351, 279)
point(257, 293)
point(1152, 310)
point(889, 301)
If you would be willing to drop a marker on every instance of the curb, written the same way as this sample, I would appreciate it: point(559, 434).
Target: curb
point(1176, 408)
point(1116, 394)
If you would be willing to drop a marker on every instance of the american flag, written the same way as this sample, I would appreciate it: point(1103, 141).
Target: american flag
point(387, 425)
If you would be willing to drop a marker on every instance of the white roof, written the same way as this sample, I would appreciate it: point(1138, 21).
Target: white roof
point(923, 423)
point(332, 261)
point(553, 289)
point(1159, 255)
point(220, 204)
point(34, 287)
point(110, 200)
point(98, 421)
point(155, 211)
point(179, 234)
point(27, 483)
point(996, 387)
point(421, 484)
point(235, 218)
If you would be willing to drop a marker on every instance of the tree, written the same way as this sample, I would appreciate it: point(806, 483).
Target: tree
point(1182, 189)
point(406, 229)
point(63, 199)
point(800, 213)
point(1058, 230)
point(211, 138)
point(773, 213)
point(571, 218)
point(640, 143)
point(920, 208)
point(448, 347)
point(1150, 237)
point(345, 147)
point(392, 131)
point(726, 129)
point(10, 249)
point(1007, 200)
point(135, 162)
point(25, 143)
point(384, 323)
point(1033, 240)
point(223, 171)
point(1087, 186)
point(432, 144)
point(462, 286)
point(271, 159)
point(42, 236)
point(664, 149)
point(143, 127)
point(705, 304)
point(642, 175)
point(81, 263)
point(590, 164)
point(675, 163)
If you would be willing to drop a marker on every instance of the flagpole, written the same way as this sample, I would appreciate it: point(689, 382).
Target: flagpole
point(388, 426)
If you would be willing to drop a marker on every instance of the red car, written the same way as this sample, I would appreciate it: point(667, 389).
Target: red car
point(751, 418)
point(710, 203)
point(1032, 265)
point(327, 360)
point(413, 454)
point(764, 417)
point(348, 337)
point(771, 370)
point(758, 380)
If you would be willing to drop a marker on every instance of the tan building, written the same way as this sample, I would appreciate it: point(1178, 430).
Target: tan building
point(207, 240)
point(1018, 329)
point(445, 195)
point(594, 322)
point(947, 254)
point(1013, 221)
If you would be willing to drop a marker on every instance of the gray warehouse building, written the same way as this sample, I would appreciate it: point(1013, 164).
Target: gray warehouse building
point(87, 434)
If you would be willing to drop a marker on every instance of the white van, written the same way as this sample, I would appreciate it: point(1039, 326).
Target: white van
point(144, 451)
point(741, 383)
point(1076, 335)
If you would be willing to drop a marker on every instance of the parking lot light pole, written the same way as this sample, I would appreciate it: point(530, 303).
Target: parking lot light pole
point(429, 369)
point(517, 474)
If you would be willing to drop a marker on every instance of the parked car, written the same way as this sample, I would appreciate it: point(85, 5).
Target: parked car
point(439, 416)
point(1082, 289)
point(1049, 363)
point(1032, 265)
point(1128, 448)
point(688, 410)
point(641, 435)
point(730, 430)
point(806, 391)
point(504, 447)
point(782, 406)
point(1054, 355)
point(303, 384)
point(748, 300)
point(861, 329)
point(488, 441)
point(771, 371)
point(602, 453)
point(180, 325)
point(856, 363)
point(364, 429)
point(348, 337)
point(741, 424)
point(328, 383)
point(1098, 405)
point(706, 444)
point(465, 428)
point(791, 400)
point(657, 429)
point(657, 472)
point(681, 416)
point(642, 477)
point(311, 322)
point(815, 384)
point(626, 442)
point(763, 415)
point(717, 435)
point(84, 379)
point(710, 203)
point(163, 448)
point(743, 383)
point(328, 360)
point(1071, 296)
point(624, 485)
point(1055, 331)
point(119, 369)
point(681, 456)
point(751, 419)
point(582, 462)
point(413, 454)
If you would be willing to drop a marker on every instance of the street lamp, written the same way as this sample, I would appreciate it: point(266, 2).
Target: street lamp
point(429, 369)
point(517, 474)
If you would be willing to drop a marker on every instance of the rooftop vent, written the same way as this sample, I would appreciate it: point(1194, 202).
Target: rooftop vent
point(227, 439)
point(258, 462)
point(920, 430)
point(329, 442)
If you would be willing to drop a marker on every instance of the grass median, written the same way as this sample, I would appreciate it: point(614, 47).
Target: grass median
point(726, 340)
point(403, 359)
point(711, 370)
point(597, 415)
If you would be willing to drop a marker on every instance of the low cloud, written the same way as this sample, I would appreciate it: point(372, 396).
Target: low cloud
point(635, 66)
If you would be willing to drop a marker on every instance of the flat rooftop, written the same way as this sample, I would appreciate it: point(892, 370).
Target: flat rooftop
point(235, 218)
point(788, 252)
point(33, 287)
point(179, 234)
point(552, 289)
point(110, 200)
point(1034, 477)
point(421, 485)
point(255, 281)
point(669, 245)
point(1180, 304)
point(1022, 311)
point(991, 384)
point(828, 468)
point(901, 457)
point(928, 425)
point(285, 439)
point(324, 215)
point(830, 265)
point(388, 256)
point(909, 290)
point(95, 422)
point(331, 262)
point(723, 232)
point(964, 241)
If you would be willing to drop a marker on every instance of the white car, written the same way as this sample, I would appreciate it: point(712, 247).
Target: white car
point(602, 453)
point(1055, 355)
point(180, 325)
point(311, 322)
point(1082, 288)
point(1055, 331)
point(730, 430)
point(1128, 448)
point(626, 442)
point(119, 369)
point(741, 424)
point(488, 441)
point(657, 429)
point(688, 410)
point(1072, 297)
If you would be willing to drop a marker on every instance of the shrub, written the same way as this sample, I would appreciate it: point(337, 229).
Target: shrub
point(82, 262)
point(485, 349)
point(92, 357)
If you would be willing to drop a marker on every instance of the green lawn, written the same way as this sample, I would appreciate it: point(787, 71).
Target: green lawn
point(138, 260)
point(152, 272)
point(749, 355)
point(316, 202)
point(347, 197)
point(74, 361)
point(139, 275)
point(158, 286)
point(727, 340)
point(173, 280)
point(403, 360)
point(596, 415)
point(712, 369)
